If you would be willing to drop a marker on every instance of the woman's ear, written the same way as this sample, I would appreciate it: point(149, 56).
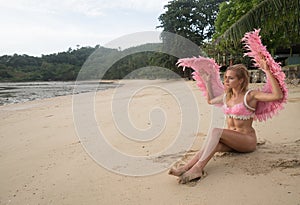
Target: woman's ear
point(241, 81)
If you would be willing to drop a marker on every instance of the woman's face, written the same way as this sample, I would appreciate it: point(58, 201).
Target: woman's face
point(231, 80)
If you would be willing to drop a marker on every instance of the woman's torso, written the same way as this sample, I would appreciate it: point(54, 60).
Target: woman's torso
point(240, 114)
point(242, 126)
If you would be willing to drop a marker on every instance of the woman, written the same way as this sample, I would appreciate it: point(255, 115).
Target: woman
point(239, 105)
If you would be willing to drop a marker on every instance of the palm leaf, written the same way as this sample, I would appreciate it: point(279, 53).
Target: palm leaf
point(270, 15)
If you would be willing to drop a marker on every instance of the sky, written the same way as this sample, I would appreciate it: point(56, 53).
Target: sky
point(36, 27)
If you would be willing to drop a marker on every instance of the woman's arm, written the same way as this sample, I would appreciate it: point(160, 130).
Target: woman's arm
point(211, 99)
point(276, 93)
point(216, 100)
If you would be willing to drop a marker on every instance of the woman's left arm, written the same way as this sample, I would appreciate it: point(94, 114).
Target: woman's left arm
point(276, 93)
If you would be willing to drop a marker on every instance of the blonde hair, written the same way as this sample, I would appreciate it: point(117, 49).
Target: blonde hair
point(241, 72)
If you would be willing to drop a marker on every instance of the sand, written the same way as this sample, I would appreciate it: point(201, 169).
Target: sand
point(43, 160)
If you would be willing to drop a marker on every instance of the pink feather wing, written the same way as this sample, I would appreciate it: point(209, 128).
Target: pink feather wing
point(257, 51)
point(202, 65)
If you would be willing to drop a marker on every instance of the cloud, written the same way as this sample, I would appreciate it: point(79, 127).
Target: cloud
point(140, 5)
point(35, 26)
point(85, 7)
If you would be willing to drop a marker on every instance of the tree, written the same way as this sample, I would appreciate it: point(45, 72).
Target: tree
point(278, 19)
point(230, 12)
point(188, 19)
point(192, 19)
point(60, 66)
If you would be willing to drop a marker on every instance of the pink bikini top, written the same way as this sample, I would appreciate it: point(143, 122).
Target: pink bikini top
point(241, 111)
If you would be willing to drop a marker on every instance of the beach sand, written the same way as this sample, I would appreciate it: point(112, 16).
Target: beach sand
point(43, 160)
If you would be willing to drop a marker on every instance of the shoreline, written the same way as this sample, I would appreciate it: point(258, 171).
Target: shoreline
point(19, 92)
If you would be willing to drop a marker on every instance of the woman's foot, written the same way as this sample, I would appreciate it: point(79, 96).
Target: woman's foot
point(177, 171)
point(195, 173)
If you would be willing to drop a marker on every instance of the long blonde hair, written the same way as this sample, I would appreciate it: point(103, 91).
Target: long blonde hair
point(241, 73)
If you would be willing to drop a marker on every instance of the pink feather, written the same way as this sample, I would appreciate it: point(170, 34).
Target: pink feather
point(202, 65)
point(256, 50)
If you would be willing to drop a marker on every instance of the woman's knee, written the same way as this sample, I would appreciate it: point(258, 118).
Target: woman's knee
point(217, 132)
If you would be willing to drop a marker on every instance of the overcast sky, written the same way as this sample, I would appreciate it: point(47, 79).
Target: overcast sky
point(36, 27)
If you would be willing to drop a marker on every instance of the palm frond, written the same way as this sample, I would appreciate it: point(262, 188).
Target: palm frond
point(270, 15)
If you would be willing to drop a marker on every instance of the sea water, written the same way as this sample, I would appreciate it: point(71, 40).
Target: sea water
point(27, 91)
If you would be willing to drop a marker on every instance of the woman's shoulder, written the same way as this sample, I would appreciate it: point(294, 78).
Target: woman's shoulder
point(250, 98)
point(252, 92)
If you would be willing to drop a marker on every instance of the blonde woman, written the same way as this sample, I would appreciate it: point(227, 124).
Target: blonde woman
point(239, 105)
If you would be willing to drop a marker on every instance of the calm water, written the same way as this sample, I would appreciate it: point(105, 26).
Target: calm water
point(21, 92)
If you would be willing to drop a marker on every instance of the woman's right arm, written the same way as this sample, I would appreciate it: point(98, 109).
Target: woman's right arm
point(276, 93)
point(211, 99)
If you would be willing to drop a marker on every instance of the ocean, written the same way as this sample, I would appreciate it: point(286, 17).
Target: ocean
point(11, 93)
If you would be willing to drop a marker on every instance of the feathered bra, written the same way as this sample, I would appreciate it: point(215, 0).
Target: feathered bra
point(257, 51)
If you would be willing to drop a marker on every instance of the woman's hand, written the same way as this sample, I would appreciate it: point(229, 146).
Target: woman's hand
point(263, 63)
point(205, 76)
point(276, 93)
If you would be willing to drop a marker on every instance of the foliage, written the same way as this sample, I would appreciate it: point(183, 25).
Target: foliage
point(65, 66)
point(144, 61)
point(230, 12)
point(189, 19)
point(192, 19)
point(278, 19)
point(62, 66)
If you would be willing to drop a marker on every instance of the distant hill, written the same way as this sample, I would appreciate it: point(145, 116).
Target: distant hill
point(65, 66)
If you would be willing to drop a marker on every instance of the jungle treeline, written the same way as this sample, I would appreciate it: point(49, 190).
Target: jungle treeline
point(65, 66)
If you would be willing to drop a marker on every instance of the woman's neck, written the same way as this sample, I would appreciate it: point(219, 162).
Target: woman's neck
point(237, 92)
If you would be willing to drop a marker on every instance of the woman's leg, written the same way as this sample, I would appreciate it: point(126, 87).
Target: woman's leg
point(197, 170)
point(220, 140)
point(180, 170)
point(208, 146)
point(238, 141)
